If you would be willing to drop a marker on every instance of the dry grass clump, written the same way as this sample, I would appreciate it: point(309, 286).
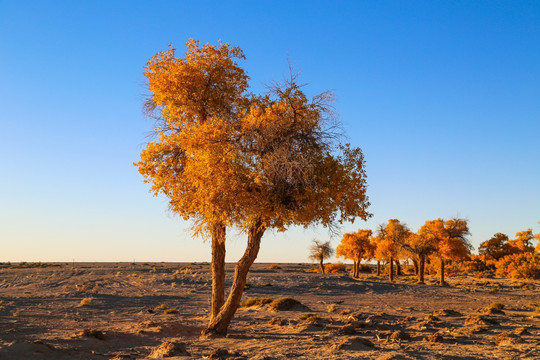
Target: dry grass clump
point(284, 303)
point(435, 338)
point(276, 321)
point(273, 267)
point(496, 305)
point(170, 311)
point(309, 317)
point(98, 334)
point(255, 301)
point(505, 338)
point(479, 320)
point(86, 302)
point(331, 308)
point(162, 307)
point(168, 349)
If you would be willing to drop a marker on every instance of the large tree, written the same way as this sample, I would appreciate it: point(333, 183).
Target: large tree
point(228, 158)
point(356, 246)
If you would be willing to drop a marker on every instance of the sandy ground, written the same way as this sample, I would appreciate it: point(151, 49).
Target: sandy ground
point(136, 311)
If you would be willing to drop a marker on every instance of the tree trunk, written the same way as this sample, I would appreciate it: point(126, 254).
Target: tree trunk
point(322, 265)
point(442, 272)
point(378, 268)
point(391, 269)
point(217, 231)
point(415, 264)
point(355, 269)
point(421, 269)
point(220, 323)
point(398, 268)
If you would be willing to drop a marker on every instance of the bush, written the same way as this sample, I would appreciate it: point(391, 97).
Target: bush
point(519, 266)
point(335, 268)
point(255, 301)
point(284, 303)
point(274, 267)
point(309, 317)
point(497, 306)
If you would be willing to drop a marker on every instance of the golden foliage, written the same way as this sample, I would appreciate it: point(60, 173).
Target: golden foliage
point(356, 246)
point(225, 156)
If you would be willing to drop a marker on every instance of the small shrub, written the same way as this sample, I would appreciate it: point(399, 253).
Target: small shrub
point(86, 302)
point(309, 317)
point(266, 285)
point(81, 288)
point(283, 304)
point(497, 306)
point(331, 308)
point(274, 267)
point(255, 301)
point(162, 307)
point(335, 268)
point(95, 290)
point(191, 291)
point(170, 311)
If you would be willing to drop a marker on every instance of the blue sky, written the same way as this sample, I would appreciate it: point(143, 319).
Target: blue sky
point(442, 96)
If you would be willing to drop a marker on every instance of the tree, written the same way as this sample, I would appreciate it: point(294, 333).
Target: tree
point(391, 236)
point(449, 238)
point(523, 242)
point(494, 249)
point(319, 251)
point(196, 95)
point(420, 245)
point(356, 247)
point(225, 158)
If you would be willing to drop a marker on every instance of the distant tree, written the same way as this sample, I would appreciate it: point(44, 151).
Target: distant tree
point(356, 246)
point(225, 157)
point(523, 241)
point(420, 245)
point(495, 248)
point(390, 237)
point(450, 240)
point(319, 251)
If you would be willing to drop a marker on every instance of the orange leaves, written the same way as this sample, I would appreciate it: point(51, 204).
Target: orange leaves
point(356, 246)
point(447, 237)
point(223, 155)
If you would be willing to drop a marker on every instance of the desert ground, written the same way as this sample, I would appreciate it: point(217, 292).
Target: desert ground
point(154, 310)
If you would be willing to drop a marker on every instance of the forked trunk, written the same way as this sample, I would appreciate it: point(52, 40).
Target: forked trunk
point(219, 324)
point(217, 231)
point(441, 281)
point(378, 268)
point(322, 265)
point(391, 269)
point(421, 265)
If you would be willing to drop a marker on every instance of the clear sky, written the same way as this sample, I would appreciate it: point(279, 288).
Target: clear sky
point(442, 96)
